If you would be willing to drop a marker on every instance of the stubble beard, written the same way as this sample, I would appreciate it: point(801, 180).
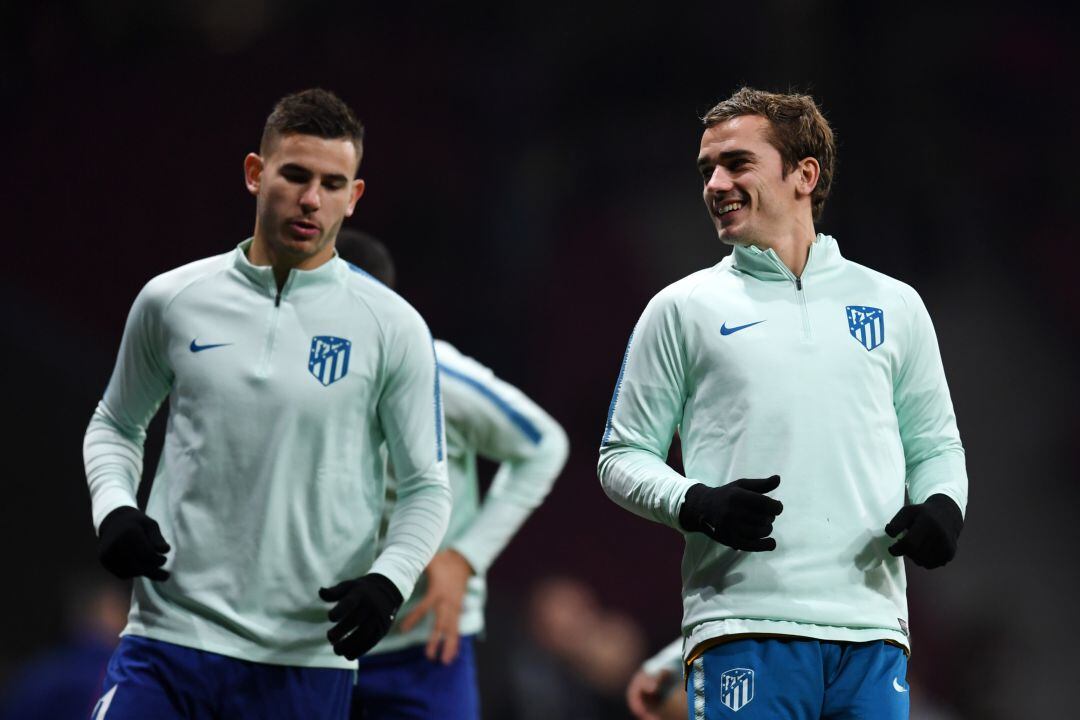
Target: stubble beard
point(282, 244)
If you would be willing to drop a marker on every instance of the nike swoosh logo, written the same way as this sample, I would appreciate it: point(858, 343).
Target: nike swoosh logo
point(897, 687)
point(195, 347)
point(725, 330)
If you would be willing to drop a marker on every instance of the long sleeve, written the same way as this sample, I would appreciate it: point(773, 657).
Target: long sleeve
point(411, 414)
point(503, 425)
point(933, 454)
point(141, 379)
point(646, 409)
point(670, 658)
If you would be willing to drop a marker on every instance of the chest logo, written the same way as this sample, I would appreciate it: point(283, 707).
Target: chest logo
point(196, 347)
point(737, 688)
point(867, 325)
point(725, 330)
point(328, 360)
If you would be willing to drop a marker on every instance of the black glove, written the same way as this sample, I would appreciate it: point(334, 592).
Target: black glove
point(364, 612)
point(738, 514)
point(130, 544)
point(932, 530)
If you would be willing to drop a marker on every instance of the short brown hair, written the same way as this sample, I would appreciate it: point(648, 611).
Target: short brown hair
point(797, 130)
point(315, 112)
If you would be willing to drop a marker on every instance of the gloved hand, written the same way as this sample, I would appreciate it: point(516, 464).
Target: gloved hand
point(130, 544)
point(932, 531)
point(738, 514)
point(364, 612)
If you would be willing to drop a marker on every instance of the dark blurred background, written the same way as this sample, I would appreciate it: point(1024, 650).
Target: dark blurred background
point(532, 169)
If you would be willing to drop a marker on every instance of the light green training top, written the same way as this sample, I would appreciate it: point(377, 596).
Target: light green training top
point(832, 381)
point(271, 483)
point(489, 418)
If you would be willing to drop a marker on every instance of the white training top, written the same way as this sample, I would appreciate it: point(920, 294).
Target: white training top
point(490, 418)
point(834, 382)
point(271, 483)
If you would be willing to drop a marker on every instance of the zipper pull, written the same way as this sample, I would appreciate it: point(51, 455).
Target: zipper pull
point(798, 283)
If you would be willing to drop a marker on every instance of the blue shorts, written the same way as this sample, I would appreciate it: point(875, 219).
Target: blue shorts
point(154, 679)
point(405, 684)
point(799, 679)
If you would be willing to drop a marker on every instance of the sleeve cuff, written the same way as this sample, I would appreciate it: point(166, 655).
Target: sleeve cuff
point(944, 474)
point(404, 585)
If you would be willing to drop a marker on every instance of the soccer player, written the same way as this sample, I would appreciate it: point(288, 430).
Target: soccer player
point(809, 395)
point(424, 668)
point(286, 372)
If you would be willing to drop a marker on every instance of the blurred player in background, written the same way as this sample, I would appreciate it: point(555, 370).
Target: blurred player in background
point(424, 668)
point(656, 692)
point(286, 373)
point(804, 384)
point(65, 680)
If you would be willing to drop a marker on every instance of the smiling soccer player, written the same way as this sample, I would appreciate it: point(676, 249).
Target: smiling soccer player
point(809, 396)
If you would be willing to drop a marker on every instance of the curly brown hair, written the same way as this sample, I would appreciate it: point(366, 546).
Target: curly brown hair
point(315, 112)
point(797, 130)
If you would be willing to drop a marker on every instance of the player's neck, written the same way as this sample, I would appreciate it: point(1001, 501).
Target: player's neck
point(792, 246)
point(262, 253)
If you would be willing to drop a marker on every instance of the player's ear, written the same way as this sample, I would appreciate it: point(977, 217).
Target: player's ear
point(357, 191)
point(807, 173)
point(253, 167)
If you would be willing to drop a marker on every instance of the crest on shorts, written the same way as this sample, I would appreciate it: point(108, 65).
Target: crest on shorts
point(737, 688)
point(328, 360)
point(867, 325)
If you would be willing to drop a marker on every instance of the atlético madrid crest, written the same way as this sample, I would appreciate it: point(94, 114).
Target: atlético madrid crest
point(867, 325)
point(328, 361)
point(737, 688)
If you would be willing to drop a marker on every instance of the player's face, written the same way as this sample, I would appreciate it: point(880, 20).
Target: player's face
point(305, 187)
point(747, 196)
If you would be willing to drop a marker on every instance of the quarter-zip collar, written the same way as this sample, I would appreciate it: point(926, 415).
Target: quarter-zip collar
point(767, 265)
point(298, 281)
